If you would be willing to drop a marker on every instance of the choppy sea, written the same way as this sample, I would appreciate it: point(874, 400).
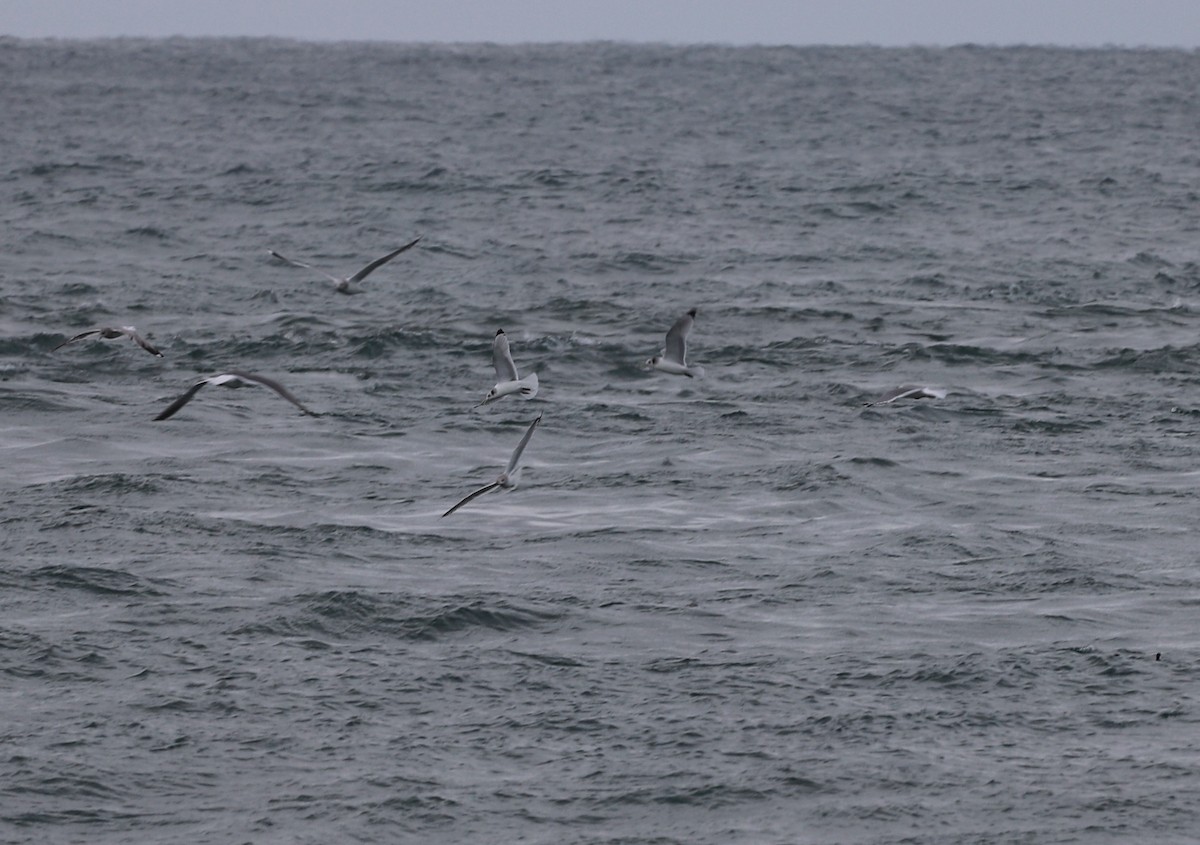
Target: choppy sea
point(743, 608)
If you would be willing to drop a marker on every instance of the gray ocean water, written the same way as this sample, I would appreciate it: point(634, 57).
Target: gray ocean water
point(738, 609)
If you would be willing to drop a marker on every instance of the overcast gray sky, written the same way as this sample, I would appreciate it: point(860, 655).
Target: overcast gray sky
point(1160, 23)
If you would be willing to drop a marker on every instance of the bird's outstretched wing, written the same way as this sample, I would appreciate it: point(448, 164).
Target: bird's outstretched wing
point(379, 262)
point(908, 391)
point(181, 401)
point(471, 496)
point(274, 385)
point(79, 336)
point(131, 332)
point(287, 260)
point(516, 455)
point(502, 360)
point(676, 348)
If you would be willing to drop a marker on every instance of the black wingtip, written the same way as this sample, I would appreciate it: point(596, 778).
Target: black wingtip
point(499, 332)
point(692, 313)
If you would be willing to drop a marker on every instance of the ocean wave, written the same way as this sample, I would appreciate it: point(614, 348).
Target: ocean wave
point(353, 615)
point(93, 579)
point(1167, 359)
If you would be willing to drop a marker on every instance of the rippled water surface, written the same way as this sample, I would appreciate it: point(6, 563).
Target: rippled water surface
point(740, 609)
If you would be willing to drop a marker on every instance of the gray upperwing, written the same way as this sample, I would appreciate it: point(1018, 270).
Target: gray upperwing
point(471, 496)
point(181, 401)
point(896, 393)
point(287, 260)
point(79, 336)
point(676, 348)
point(379, 262)
point(274, 385)
point(502, 360)
point(516, 455)
point(141, 341)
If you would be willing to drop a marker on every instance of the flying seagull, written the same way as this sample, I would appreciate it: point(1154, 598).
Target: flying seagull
point(342, 285)
point(110, 333)
point(508, 478)
point(507, 380)
point(908, 391)
point(673, 358)
point(233, 378)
